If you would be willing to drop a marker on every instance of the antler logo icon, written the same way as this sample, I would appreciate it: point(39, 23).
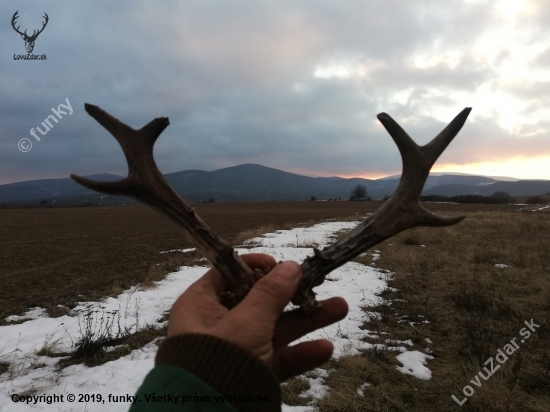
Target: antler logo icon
point(29, 40)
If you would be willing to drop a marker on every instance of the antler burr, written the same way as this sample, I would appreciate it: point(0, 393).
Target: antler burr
point(402, 211)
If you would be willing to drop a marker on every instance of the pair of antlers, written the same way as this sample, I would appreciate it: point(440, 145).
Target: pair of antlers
point(34, 34)
point(400, 212)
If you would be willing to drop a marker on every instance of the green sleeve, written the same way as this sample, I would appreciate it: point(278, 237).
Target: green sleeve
point(233, 378)
point(169, 388)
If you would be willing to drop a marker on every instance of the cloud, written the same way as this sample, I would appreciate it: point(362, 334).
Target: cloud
point(292, 85)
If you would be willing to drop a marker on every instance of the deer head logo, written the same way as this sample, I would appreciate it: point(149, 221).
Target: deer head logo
point(29, 40)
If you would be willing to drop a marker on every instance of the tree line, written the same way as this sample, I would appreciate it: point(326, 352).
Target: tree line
point(495, 198)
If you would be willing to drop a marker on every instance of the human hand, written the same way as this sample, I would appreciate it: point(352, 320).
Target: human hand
point(258, 324)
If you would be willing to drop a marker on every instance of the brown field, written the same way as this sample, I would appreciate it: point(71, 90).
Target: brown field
point(61, 256)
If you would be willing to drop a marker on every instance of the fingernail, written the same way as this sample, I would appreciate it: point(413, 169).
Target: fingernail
point(289, 270)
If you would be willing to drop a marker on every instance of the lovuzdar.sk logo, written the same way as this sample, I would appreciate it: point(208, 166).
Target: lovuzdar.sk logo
point(29, 40)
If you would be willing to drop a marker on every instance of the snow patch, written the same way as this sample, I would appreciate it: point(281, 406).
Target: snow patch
point(414, 364)
point(361, 388)
point(33, 313)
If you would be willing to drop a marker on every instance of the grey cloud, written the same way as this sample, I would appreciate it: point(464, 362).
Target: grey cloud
point(543, 59)
point(237, 82)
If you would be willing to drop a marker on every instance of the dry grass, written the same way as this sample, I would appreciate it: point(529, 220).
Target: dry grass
point(62, 256)
point(292, 389)
point(117, 348)
point(473, 309)
point(244, 238)
point(173, 261)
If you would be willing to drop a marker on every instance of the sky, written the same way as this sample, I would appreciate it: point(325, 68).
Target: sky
point(293, 85)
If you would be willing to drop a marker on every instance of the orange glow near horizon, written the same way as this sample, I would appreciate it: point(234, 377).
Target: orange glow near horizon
point(370, 175)
point(520, 168)
point(363, 175)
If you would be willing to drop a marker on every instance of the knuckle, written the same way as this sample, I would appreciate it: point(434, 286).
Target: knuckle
point(270, 287)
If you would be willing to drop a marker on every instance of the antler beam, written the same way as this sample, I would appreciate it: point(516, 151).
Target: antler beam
point(146, 184)
point(402, 211)
point(13, 22)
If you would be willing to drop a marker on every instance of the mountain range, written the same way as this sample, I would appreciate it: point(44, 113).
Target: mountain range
point(251, 182)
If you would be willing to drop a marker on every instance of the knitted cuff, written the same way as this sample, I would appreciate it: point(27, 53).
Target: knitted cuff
point(245, 381)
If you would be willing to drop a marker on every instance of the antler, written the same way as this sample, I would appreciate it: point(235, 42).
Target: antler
point(400, 212)
point(34, 33)
point(43, 26)
point(15, 16)
point(146, 183)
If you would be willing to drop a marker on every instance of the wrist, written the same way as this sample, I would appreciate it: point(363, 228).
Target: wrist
point(226, 367)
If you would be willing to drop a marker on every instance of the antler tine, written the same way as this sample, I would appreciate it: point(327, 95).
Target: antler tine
point(417, 162)
point(414, 155)
point(146, 184)
point(43, 24)
point(13, 19)
point(137, 145)
point(402, 211)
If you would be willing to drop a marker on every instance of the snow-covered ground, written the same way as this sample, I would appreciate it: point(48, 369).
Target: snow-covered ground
point(138, 309)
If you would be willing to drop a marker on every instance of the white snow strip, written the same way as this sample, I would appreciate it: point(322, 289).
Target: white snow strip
point(287, 408)
point(357, 283)
point(179, 250)
point(397, 342)
point(315, 235)
point(502, 265)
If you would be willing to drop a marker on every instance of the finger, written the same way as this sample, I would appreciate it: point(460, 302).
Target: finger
point(293, 325)
point(213, 284)
point(270, 294)
point(259, 261)
point(294, 360)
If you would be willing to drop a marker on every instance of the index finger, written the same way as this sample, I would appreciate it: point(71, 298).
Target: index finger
point(213, 284)
point(271, 294)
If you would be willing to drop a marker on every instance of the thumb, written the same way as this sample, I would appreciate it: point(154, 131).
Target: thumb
point(271, 294)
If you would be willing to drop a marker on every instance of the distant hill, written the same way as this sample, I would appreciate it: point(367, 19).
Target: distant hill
point(436, 174)
point(48, 188)
point(251, 182)
point(519, 188)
